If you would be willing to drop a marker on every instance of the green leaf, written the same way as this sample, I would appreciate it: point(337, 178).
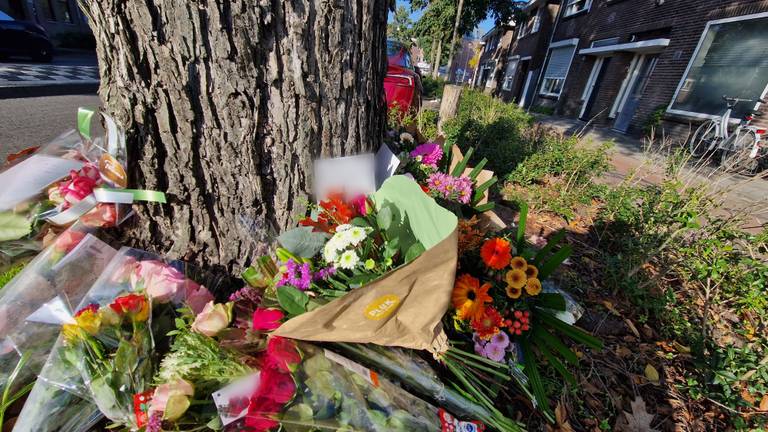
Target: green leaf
point(557, 365)
point(414, 251)
point(293, 301)
point(553, 301)
point(302, 241)
point(384, 217)
point(554, 262)
point(543, 337)
point(576, 334)
point(126, 357)
point(462, 165)
point(480, 190)
point(476, 170)
point(537, 386)
point(13, 226)
point(553, 241)
point(360, 222)
point(485, 207)
point(522, 219)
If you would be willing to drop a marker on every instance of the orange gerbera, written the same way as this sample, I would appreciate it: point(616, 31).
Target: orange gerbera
point(531, 271)
point(469, 298)
point(518, 263)
point(533, 286)
point(488, 324)
point(496, 253)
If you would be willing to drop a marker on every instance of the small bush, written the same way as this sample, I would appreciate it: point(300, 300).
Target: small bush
point(541, 109)
point(559, 175)
point(498, 131)
point(653, 121)
point(426, 121)
point(433, 87)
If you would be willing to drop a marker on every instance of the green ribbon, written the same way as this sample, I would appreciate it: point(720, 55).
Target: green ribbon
point(141, 194)
point(84, 116)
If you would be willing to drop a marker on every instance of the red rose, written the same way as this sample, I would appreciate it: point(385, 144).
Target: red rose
point(281, 386)
point(93, 307)
point(133, 305)
point(282, 354)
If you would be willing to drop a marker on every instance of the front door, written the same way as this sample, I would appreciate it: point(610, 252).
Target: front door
point(520, 79)
point(528, 89)
point(634, 92)
point(593, 86)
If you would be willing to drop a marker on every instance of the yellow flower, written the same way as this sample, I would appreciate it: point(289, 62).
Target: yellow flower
point(533, 287)
point(89, 321)
point(518, 263)
point(514, 293)
point(515, 278)
point(531, 271)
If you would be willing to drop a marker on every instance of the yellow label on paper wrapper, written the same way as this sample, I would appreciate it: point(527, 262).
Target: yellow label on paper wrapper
point(382, 307)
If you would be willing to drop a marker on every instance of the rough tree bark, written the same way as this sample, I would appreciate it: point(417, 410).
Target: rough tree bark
point(227, 103)
point(451, 48)
point(438, 55)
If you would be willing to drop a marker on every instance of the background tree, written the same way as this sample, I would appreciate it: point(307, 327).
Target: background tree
point(400, 27)
point(227, 103)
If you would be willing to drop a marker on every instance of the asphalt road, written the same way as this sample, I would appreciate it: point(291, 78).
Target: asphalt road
point(35, 121)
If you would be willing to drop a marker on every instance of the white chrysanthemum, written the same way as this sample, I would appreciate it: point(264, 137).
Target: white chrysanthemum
point(341, 240)
point(348, 260)
point(343, 227)
point(356, 235)
point(330, 252)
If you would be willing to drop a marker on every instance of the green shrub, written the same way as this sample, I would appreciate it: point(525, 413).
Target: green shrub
point(433, 87)
point(498, 131)
point(541, 109)
point(559, 176)
point(426, 121)
point(653, 121)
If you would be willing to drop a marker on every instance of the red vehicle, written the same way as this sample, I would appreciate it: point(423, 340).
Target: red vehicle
point(402, 84)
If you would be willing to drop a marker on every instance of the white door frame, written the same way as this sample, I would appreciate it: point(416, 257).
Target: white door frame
point(590, 87)
point(626, 85)
point(527, 84)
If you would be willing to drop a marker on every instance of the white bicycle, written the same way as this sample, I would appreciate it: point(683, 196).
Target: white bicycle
point(741, 148)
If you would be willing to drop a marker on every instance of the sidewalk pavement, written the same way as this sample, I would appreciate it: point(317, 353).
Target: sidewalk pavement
point(647, 160)
point(68, 73)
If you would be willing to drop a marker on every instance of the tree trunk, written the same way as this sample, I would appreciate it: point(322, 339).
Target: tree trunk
point(449, 105)
point(438, 55)
point(226, 104)
point(453, 40)
point(433, 54)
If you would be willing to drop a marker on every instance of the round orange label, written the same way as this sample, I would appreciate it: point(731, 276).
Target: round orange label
point(111, 169)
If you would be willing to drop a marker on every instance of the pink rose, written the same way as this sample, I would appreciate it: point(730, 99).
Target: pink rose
point(162, 282)
point(67, 241)
point(213, 319)
point(104, 215)
point(267, 319)
point(171, 399)
point(197, 296)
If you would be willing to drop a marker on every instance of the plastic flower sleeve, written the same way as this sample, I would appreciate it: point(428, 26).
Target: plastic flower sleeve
point(304, 387)
point(106, 351)
point(35, 303)
point(406, 367)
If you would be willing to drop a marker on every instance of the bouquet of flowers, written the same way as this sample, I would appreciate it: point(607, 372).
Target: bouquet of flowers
point(442, 172)
point(109, 348)
point(500, 308)
point(52, 282)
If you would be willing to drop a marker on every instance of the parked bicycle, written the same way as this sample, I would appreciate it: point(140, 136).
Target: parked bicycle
point(741, 148)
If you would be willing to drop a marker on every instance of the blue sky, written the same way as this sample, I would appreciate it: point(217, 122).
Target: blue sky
point(483, 28)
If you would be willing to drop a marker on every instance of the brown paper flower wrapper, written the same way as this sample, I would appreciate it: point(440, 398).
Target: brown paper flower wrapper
point(403, 308)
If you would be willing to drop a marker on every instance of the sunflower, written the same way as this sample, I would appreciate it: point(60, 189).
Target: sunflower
point(518, 263)
point(514, 293)
point(533, 286)
point(488, 324)
point(531, 271)
point(469, 298)
point(496, 253)
point(515, 278)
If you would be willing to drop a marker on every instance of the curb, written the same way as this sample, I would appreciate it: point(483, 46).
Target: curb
point(13, 92)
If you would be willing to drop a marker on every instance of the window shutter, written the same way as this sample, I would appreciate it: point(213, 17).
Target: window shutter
point(559, 62)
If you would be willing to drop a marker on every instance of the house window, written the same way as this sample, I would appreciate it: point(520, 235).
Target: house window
point(531, 25)
point(576, 6)
point(730, 60)
point(488, 69)
point(557, 69)
point(604, 42)
point(509, 74)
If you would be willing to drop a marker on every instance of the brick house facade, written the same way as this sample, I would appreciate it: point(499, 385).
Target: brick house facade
point(495, 47)
point(615, 62)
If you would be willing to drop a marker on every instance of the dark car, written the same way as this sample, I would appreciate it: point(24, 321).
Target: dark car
point(402, 84)
point(23, 38)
